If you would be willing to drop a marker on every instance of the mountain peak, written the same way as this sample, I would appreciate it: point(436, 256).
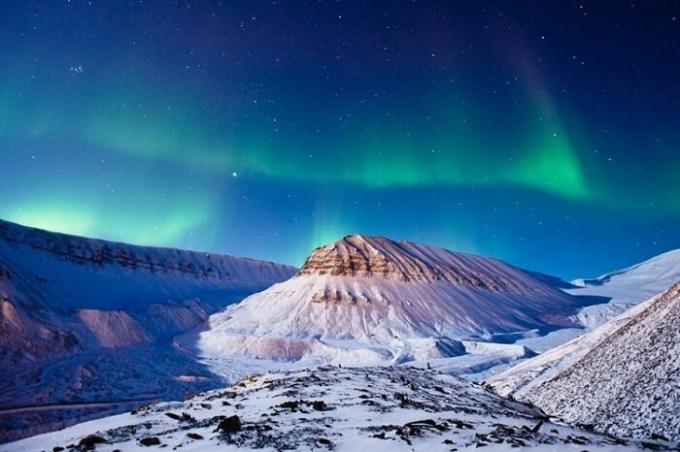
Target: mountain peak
point(361, 255)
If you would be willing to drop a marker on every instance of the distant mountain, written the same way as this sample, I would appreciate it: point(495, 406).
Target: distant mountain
point(627, 287)
point(336, 409)
point(371, 300)
point(622, 378)
point(91, 320)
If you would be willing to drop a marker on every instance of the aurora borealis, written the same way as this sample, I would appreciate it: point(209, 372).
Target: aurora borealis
point(543, 133)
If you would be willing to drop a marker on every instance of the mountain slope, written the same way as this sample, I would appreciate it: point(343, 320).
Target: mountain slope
point(372, 300)
point(622, 377)
point(68, 304)
point(340, 409)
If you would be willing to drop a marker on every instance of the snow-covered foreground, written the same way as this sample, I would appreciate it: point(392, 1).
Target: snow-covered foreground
point(331, 408)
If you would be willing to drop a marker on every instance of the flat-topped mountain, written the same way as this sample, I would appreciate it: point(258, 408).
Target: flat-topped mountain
point(374, 300)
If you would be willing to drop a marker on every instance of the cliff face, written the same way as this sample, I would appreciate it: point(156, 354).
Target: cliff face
point(102, 254)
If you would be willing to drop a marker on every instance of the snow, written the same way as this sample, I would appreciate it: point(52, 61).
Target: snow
point(97, 321)
point(623, 290)
point(613, 294)
point(341, 409)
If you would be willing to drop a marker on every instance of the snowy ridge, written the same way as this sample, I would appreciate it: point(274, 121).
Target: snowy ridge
point(372, 301)
point(622, 377)
point(340, 409)
point(240, 271)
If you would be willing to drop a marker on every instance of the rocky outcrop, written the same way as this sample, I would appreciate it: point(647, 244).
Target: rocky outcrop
point(114, 329)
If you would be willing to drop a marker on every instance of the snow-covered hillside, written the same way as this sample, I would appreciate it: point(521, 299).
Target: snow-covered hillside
point(90, 320)
point(371, 300)
point(340, 409)
point(623, 377)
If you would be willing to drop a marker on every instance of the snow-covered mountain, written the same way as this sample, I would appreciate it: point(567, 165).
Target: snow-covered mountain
point(370, 300)
point(340, 409)
point(91, 320)
point(622, 378)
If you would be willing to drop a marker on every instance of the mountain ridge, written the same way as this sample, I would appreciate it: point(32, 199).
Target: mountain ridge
point(87, 319)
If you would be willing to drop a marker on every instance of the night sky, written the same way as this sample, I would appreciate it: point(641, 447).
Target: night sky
point(545, 133)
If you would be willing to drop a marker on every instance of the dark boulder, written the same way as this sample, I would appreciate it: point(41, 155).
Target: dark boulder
point(232, 424)
point(150, 441)
point(90, 441)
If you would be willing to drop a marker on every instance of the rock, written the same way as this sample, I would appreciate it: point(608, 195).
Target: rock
point(290, 405)
point(319, 405)
point(150, 441)
point(185, 417)
point(90, 441)
point(232, 424)
point(193, 435)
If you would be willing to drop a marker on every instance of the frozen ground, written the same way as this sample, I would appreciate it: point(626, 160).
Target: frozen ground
point(341, 409)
